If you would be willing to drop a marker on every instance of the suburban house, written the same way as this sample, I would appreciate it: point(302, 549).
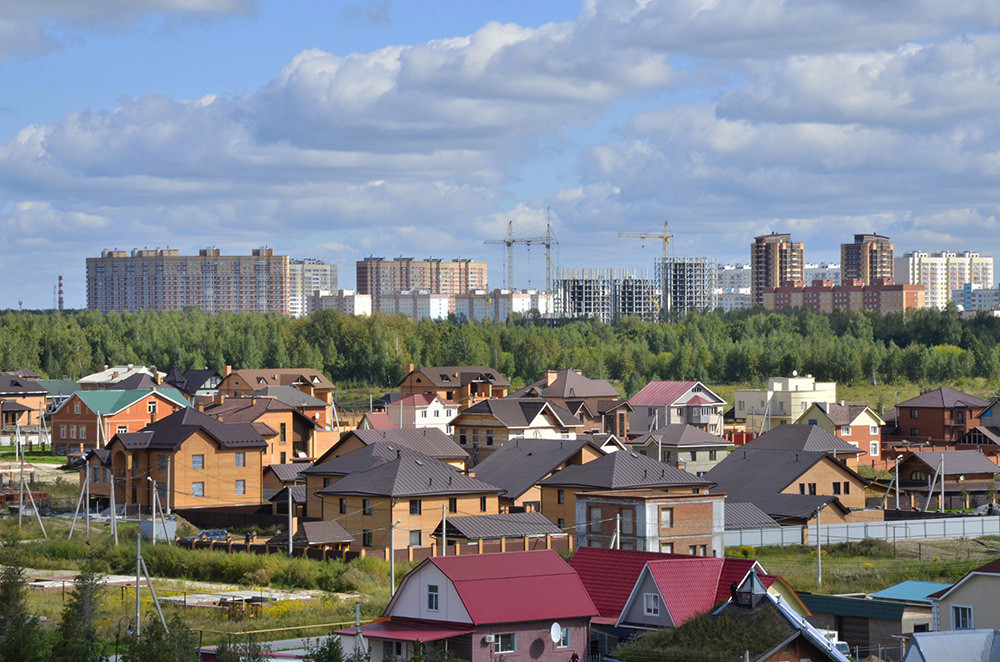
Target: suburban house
point(517, 468)
point(783, 401)
point(88, 419)
point(313, 535)
point(854, 422)
point(986, 436)
point(122, 378)
point(414, 490)
point(22, 400)
point(968, 479)
point(805, 438)
point(515, 606)
point(969, 603)
point(665, 403)
point(466, 529)
point(913, 595)
point(198, 385)
point(316, 410)
point(97, 463)
point(463, 385)
point(279, 476)
point(684, 446)
point(943, 415)
point(57, 391)
point(246, 382)
point(290, 435)
point(792, 486)
point(614, 472)
point(594, 401)
point(422, 410)
point(486, 426)
point(195, 459)
point(429, 441)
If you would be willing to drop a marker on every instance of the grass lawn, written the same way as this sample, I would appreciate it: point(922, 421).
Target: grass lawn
point(35, 457)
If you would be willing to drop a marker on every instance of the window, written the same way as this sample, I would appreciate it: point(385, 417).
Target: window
point(694, 456)
point(161, 462)
point(651, 604)
point(813, 421)
point(666, 547)
point(76, 407)
point(366, 506)
point(712, 456)
point(62, 431)
point(703, 550)
point(83, 432)
point(415, 538)
point(560, 522)
point(913, 432)
point(489, 437)
point(366, 538)
point(560, 496)
point(482, 504)
point(845, 429)
point(95, 474)
point(507, 643)
point(437, 413)
point(342, 505)
point(415, 507)
point(564, 641)
point(122, 429)
point(812, 488)
point(475, 437)
point(873, 429)
point(241, 487)
point(198, 489)
point(241, 459)
point(198, 461)
point(873, 448)
point(913, 413)
point(423, 414)
point(847, 487)
point(72, 432)
point(595, 519)
point(151, 407)
point(836, 488)
point(452, 504)
point(626, 522)
point(433, 597)
point(693, 550)
point(462, 432)
point(282, 456)
point(961, 617)
point(666, 518)
point(282, 436)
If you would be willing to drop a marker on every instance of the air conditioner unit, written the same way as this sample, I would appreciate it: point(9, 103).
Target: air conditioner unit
point(488, 639)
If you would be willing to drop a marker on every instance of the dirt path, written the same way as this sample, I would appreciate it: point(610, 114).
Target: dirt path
point(958, 549)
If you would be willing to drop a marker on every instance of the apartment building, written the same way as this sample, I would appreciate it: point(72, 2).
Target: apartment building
point(416, 304)
point(689, 284)
point(973, 297)
point(868, 259)
point(348, 302)
point(882, 296)
point(607, 294)
point(774, 260)
point(306, 279)
point(479, 305)
point(943, 272)
point(783, 401)
point(166, 280)
point(378, 277)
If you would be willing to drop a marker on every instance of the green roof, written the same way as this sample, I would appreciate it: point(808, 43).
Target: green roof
point(840, 606)
point(110, 401)
point(58, 386)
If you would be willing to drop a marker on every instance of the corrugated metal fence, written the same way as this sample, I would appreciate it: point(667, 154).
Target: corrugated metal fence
point(950, 527)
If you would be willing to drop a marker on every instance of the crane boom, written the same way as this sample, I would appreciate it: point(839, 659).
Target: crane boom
point(665, 236)
point(510, 240)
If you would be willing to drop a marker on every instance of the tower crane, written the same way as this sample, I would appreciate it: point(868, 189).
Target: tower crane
point(546, 240)
point(665, 236)
point(661, 267)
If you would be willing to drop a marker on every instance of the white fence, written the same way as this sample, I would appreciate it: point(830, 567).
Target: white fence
point(915, 529)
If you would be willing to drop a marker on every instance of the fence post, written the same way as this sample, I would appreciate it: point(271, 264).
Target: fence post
point(548, 541)
point(503, 544)
point(525, 542)
point(479, 544)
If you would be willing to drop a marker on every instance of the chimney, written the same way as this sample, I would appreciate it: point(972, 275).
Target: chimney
point(550, 376)
point(409, 368)
point(228, 370)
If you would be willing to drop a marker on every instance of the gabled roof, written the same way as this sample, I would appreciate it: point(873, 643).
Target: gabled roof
point(249, 409)
point(12, 384)
point(842, 414)
point(680, 434)
point(362, 459)
point(688, 586)
point(956, 462)
point(451, 376)
point(432, 442)
point(420, 400)
point(59, 386)
point(747, 516)
point(284, 377)
point(801, 438)
point(911, 590)
point(504, 525)
point(170, 432)
point(513, 587)
point(944, 397)
point(991, 568)
point(521, 462)
point(409, 476)
point(290, 396)
point(286, 473)
point(659, 393)
point(298, 496)
point(623, 470)
point(113, 401)
point(115, 374)
point(520, 413)
point(569, 383)
point(326, 532)
point(135, 382)
point(376, 420)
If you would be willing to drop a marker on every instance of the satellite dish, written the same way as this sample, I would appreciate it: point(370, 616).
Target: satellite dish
point(555, 633)
point(795, 373)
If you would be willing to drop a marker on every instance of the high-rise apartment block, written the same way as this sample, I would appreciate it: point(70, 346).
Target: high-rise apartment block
point(306, 278)
point(166, 280)
point(380, 277)
point(774, 260)
point(479, 305)
point(868, 259)
point(689, 284)
point(942, 273)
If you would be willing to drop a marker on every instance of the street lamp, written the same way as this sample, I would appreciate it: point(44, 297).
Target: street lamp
point(898, 458)
point(118, 632)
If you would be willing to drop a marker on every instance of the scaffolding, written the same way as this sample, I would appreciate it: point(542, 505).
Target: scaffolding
point(689, 284)
point(607, 294)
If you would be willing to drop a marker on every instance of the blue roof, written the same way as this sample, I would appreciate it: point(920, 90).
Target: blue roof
point(911, 590)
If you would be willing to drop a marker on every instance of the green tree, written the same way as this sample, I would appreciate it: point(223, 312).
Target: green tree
point(21, 636)
point(76, 637)
point(158, 645)
point(330, 650)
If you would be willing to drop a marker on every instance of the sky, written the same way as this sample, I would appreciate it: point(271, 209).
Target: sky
point(339, 130)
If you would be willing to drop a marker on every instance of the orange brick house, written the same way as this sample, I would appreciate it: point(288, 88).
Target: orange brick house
point(290, 435)
point(195, 459)
point(854, 422)
point(22, 399)
point(247, 382)
point(463, 385)
point(88, 419)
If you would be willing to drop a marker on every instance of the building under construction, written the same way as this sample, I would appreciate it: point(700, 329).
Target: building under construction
point(690, 284)
point(607, 294)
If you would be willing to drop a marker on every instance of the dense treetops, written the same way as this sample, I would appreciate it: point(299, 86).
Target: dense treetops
point(741, 347)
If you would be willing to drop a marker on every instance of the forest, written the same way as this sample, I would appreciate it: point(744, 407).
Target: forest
point(926, 346)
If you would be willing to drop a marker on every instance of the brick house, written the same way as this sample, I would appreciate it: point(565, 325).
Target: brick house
point(486, 426)
point(290, 434)
point(195, 459)
point(854, 422)
point(246, 382)
point(22, 399)
point(968, 478)
point(594, 401)
point(942, 415)
point(487, 607)
point(463, 385)
point(88, 419)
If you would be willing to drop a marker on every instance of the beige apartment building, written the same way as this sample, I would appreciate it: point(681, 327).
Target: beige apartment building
point(867, 260)
point(378, 277)
point(783, 401)
point(943, 272)
point(774, 260)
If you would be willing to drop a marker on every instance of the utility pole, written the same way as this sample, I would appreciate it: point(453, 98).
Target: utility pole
point(819, 550)
point(392, 558)
point(138, 586)
point(291, 515)
point(444, 529)
point(114, 507)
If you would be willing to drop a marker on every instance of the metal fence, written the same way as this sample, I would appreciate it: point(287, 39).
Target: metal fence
point(919, 529)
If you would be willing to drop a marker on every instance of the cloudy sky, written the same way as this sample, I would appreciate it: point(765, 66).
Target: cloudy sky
point(338, 130)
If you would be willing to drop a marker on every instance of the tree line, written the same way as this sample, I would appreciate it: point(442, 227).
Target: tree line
point(720, 348)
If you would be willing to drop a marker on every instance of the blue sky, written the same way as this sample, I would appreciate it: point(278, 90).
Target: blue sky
point(338, 130)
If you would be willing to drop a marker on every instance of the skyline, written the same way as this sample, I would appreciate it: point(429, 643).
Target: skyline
point(343, 130)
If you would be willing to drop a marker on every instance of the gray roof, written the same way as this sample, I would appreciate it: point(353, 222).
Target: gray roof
point(13, 384)
point(623, 470)
point(801, 438)
point(298, 495)
point(409, 476)
point(291, 396)
point(862, 607)
point(170, 432)
point(747, 516)
point(570, 383)
point(952, 645)
point(680, 434)
point(504, 525)
point(957, 462)
point(326, 532)
point(59, 386)
point(520, 463)
point(429, 441)
point(361, 459)
point(514, 413)
point(944, 397)
point(842, 414)
point(286, 473)
point(452, 376)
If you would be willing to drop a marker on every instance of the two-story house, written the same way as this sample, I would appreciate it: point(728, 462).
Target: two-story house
point(662, 403)
point(806, 438)
point(290, 435)
point(594, 401)
point(782, 402)
point(854, 422)
point(486, 426)
point(463, 385)
point(22, 400)
point(943, 415)
point(684, 446)
point(422, 410)
point(246, 382)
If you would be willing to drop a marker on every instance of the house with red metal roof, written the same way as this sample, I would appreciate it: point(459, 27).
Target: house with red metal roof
point(519, 605)
point(663, 403)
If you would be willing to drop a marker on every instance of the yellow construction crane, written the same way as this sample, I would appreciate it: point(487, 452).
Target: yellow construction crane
point(665, 236)
point(546, 240)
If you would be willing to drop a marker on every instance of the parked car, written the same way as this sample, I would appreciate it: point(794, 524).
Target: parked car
point(218, 535)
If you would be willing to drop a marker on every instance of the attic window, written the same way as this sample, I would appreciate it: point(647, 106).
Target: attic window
point(651, 604)
point(261, 380)
point(315, 380)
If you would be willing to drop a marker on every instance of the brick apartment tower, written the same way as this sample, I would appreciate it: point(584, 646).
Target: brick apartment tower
point(868, 259)
point(774, 260)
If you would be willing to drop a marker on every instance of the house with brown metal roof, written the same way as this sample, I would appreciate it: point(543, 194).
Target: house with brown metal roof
point(22, 400)
point(684, 446)
point(463, 385)
point(661, 403)
point(943, 415)
point(486, 426)
point(805, 438)
point(465, 529)
point(854, 422)
point(967, 477)
point(244, 382)
point(596, 402)
point(290, 434)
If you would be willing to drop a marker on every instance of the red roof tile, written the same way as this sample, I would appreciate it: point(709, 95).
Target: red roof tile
point(688, 586)
point(379, 420)
point(660, 393)
point(410, 629)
